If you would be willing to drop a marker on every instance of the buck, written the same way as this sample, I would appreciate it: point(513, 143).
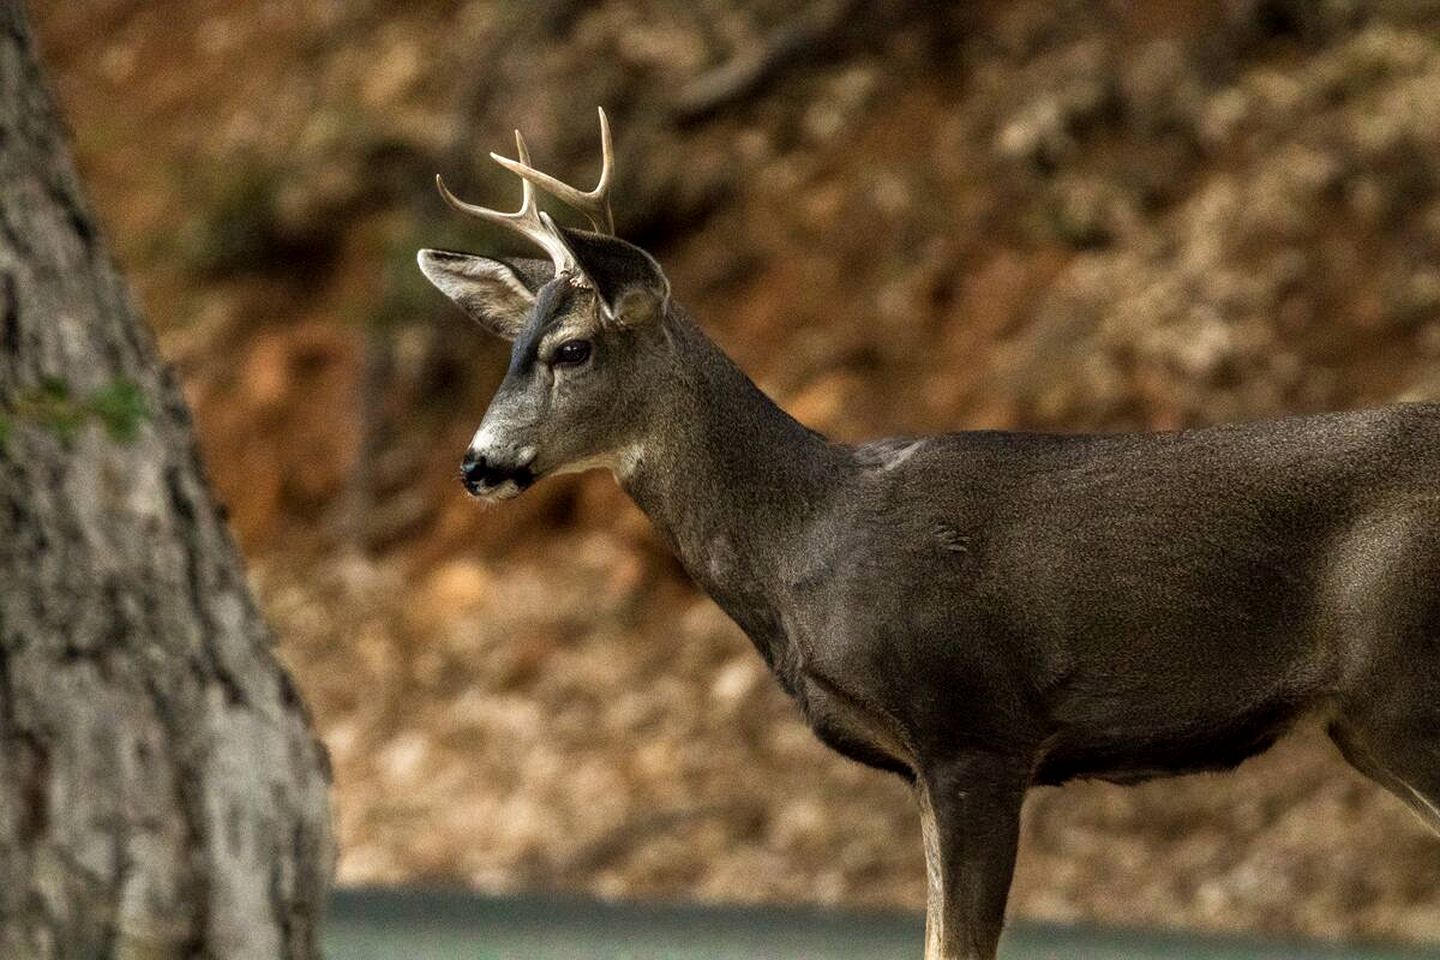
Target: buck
point(980, 612)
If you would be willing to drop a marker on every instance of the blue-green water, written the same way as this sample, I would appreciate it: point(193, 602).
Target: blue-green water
point(445, 925)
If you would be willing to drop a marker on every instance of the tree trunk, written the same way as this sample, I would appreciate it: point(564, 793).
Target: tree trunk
point(161, 792)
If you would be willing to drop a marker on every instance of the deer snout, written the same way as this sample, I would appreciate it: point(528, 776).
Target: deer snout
point(484, 474)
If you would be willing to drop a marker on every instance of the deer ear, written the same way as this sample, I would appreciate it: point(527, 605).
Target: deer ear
point(631, 286)
point(497, 294)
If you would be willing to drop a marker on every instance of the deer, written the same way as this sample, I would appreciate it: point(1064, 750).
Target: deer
point(983, 611)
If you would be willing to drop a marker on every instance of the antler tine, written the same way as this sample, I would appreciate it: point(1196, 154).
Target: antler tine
point(526, 221)
point(595, 204)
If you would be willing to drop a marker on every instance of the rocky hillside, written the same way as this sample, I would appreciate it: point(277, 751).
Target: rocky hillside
point(899, 217)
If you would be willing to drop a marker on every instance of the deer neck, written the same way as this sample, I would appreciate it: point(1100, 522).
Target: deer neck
point(733, 483)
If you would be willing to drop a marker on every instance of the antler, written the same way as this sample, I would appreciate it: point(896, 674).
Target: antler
point(595, 204)
point(528, 221)
point(533, 224)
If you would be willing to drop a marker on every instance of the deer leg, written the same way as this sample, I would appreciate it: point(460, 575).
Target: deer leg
point(970, 822)
point(1402, 758)
point(1388, 725)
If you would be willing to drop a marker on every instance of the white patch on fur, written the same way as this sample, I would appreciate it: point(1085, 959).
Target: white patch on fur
point(484, 439)
point(895, 459)
point(627, 460)
point(720, 556)
point(1422, 804)
point(620, 463)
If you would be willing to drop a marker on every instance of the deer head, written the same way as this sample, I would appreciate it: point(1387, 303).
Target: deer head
point(587, 328)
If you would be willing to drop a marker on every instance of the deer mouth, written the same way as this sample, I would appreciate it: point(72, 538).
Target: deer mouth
point(508, 490)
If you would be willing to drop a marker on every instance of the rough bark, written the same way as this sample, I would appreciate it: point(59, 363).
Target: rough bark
point(161, 791)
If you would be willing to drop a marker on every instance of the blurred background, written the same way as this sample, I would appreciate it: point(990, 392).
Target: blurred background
point(898, 216)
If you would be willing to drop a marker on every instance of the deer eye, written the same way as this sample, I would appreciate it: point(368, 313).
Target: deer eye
point(571, 353)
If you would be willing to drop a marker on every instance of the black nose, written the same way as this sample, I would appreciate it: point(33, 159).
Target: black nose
point(476, 473)
point(473, 471)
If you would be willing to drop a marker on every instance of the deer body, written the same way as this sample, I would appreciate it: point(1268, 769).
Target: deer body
point(980, 612)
